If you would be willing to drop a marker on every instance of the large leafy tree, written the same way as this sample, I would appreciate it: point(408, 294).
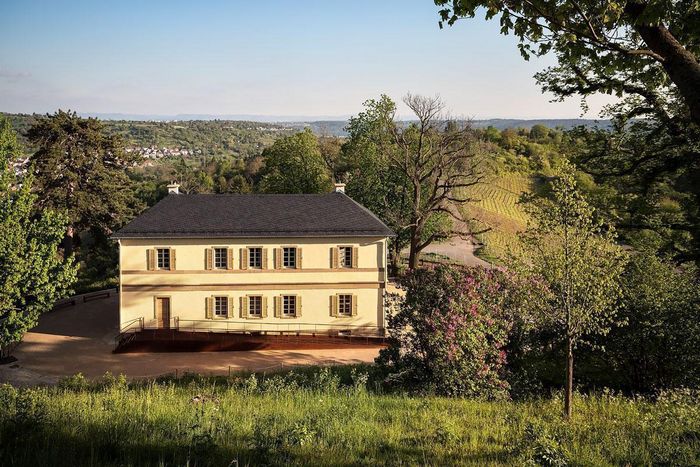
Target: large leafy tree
point(80, 169)
point(646, 49)
point(32, 274)
point(576, 257)
point(294, 164)
point(646, 53)
point(371, 179)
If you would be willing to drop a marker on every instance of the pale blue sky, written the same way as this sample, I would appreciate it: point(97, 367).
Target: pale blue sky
point(311, 58)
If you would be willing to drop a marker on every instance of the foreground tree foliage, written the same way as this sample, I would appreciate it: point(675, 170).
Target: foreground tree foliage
point(450, 332)
point(658, 347)
point(576, 257)
point(32, 274)
point(646, 53)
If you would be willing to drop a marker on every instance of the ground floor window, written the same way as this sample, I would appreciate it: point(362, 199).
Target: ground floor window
point(221, 307)
point(255, 306)
point(289, 305)
point(345, 305)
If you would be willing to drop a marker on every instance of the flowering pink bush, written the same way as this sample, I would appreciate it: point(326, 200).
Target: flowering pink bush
point(450, 331)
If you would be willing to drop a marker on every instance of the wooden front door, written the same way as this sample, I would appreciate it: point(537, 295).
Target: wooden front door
point(163, 312)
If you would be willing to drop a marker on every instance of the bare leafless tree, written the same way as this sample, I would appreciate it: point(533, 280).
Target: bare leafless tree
point(441, 158)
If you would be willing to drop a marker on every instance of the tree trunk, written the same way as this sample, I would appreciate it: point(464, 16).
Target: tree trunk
point(68, 242)
point(395, 259)
point(681, 65)
point(569, 390)
point(414, 252)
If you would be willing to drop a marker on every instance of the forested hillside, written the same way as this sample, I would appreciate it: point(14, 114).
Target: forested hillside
point(197, 138)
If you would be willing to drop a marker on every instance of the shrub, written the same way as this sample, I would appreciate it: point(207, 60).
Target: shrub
point(450, 331)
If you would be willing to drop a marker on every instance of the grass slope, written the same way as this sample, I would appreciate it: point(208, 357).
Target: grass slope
point(324, 417)
point(498, 209)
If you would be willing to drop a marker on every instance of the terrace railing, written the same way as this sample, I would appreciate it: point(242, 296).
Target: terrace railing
point(250, 326)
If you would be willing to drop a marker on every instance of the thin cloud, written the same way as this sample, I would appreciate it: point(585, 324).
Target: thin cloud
point(14, 76)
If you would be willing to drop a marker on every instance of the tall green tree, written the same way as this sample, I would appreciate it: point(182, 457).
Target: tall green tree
point(646, 49)
point(294, 164)
point(576, 256)
point(371, 179)
point(647, 53)
point(80, 169)
point(32, 274)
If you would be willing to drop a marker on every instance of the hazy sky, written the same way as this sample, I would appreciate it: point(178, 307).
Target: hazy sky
point(311, 58)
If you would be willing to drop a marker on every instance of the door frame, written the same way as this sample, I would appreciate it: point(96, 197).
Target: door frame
point(170, 310)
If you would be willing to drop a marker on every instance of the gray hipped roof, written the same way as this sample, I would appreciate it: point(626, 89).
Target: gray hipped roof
point(196, 216)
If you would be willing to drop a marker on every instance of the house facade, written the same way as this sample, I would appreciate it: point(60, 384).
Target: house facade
point(254, 263)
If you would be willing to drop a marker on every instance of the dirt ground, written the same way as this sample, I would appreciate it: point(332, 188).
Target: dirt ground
point(81, 339)
point(457, 249)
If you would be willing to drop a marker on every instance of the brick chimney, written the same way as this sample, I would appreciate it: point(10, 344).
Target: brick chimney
point(174, 189)
point(339, 188)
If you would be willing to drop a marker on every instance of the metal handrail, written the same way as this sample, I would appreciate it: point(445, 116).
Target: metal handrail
point(126, 327)
point(248, 326)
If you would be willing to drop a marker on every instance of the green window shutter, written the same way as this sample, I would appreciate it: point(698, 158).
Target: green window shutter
point(172, 259)
point(334, 306)
point(151, 259)
point(298, 310)
point(278, 306)
point(354, 305)
point(264, 307)
point(229, 258)
point(208, 258)
point(209, 308)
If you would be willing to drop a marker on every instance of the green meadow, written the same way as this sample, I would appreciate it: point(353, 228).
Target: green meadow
point(338, 416)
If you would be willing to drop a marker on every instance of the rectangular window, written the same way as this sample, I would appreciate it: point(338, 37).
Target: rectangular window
point(221, 258)
point(255, 258)
point(345, 256)
point(255, 306)
point(289, 305)
point(221, 307)
point(289, 257)
point(163, 258)
point(345, 305)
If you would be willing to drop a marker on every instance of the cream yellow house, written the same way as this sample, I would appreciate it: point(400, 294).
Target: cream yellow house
point(249, 263)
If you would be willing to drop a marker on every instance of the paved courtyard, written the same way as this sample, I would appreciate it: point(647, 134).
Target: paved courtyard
point(81, 339)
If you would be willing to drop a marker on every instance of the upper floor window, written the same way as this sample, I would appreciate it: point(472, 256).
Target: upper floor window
point(345, 305)
point(221, 307)
point(289, 257)
point(289, 305)
point(345, 257)
point(163, 258)
point(255, 257)
point(221, 258)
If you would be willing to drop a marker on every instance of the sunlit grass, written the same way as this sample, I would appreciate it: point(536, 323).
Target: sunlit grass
point(325, 419)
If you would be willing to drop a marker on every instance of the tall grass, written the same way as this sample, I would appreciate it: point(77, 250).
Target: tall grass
point(329, 417)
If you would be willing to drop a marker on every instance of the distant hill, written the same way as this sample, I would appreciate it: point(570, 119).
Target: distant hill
point(246, 134)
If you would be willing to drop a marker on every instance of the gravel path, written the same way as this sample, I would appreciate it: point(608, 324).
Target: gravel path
point(81, 339)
